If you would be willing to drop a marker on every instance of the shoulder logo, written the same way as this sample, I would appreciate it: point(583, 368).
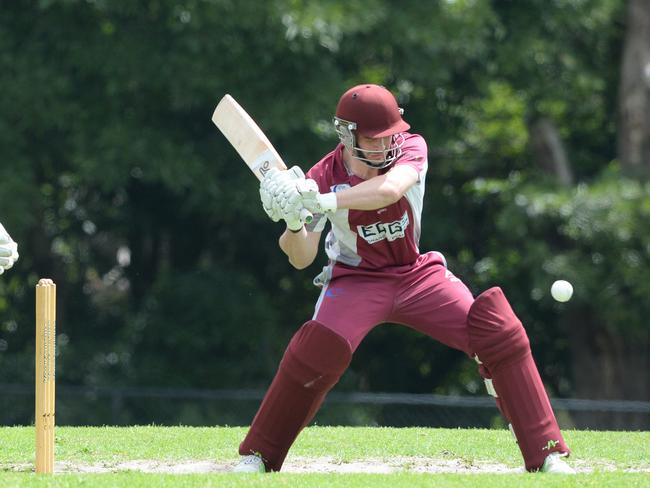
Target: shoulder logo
point(342, 186)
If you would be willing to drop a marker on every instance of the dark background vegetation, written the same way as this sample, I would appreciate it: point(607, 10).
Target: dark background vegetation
point(115, 183)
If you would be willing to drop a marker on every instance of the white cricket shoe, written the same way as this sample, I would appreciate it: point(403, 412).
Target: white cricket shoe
point(556, 465)
point(250, 464)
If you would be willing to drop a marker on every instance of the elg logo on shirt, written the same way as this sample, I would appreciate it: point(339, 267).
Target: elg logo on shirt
point(380, 230)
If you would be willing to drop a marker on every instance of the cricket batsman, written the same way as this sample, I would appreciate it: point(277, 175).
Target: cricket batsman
point(8, 250)
point(371, 189)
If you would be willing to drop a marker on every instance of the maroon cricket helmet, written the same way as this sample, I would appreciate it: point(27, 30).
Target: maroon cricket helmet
point(373, 109)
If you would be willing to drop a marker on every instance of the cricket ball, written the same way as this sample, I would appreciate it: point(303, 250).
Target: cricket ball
point(562, 290)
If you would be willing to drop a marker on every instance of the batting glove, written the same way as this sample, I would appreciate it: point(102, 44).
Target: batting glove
point(8, 250)
point(313, 200)
point(281, 198)
point(268, 188)
point(290, 203)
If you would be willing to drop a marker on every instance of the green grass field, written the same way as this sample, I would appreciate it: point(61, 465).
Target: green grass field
point(323, 456)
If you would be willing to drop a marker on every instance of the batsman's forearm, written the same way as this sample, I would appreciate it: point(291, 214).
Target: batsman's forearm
point(377, 192)
point(366, 196)
point(299, 248)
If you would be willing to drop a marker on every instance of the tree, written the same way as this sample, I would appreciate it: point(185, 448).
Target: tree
point(116, 184)
point(634, 91)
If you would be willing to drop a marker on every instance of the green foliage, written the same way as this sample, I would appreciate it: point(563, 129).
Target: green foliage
point(115, 183)
point(495, 124)
point(595, 235)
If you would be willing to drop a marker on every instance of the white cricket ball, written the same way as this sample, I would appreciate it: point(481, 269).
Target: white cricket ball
point(562, 290)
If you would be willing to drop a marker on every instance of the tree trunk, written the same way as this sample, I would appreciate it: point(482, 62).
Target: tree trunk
point(549, 151)
point(608, 365)
point(634, 91)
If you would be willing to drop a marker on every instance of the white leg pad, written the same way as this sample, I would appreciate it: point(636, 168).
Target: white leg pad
point(490, 387)
point(512, 431)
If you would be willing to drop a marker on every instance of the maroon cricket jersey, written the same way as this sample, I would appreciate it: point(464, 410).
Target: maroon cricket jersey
point(372, 239)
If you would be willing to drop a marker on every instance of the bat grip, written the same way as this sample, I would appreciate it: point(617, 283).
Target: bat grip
point(305, 216)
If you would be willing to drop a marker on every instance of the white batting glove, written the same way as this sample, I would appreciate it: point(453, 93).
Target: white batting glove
point(268, 188)
point(314, 201)
point(8, 250)
point(281, 198)
point(288, 199)
point(290, 203)
point(294, 220)
point(288, 179)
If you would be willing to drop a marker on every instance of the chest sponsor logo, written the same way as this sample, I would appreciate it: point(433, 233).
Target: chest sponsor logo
point(384, 230)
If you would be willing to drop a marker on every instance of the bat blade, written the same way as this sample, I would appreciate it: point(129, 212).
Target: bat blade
point(249, 141)
point(246, 137)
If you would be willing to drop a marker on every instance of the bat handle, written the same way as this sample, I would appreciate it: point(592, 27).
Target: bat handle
point(305, 216)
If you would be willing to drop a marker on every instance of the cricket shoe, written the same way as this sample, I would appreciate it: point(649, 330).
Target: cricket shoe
point(556, 465)
point(250, 464)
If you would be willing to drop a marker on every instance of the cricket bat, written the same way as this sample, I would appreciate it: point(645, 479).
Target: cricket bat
point(249, 141)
